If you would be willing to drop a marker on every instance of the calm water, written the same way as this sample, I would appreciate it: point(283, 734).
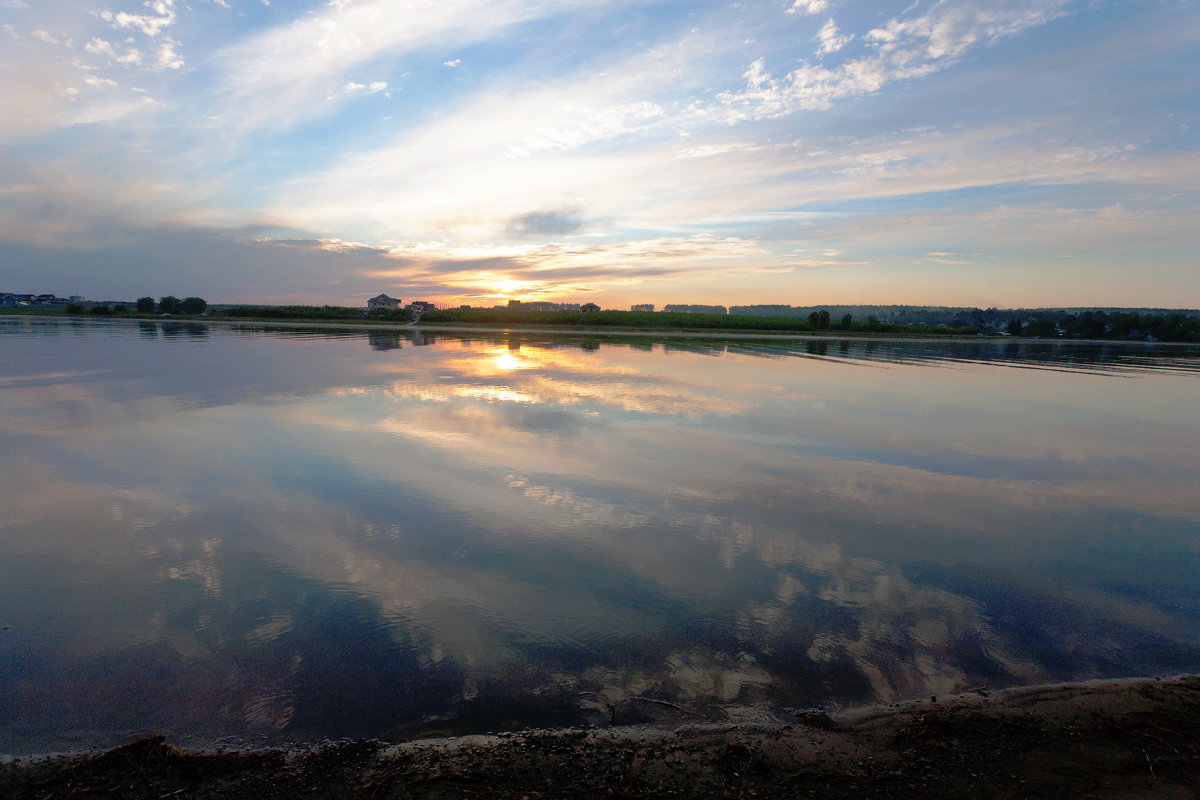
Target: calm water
point(273, 535)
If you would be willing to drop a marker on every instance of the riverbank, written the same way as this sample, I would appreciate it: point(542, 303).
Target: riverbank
point(610, 333)
point(1106, 739)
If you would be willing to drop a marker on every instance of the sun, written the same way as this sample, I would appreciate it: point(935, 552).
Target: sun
point(509, 289)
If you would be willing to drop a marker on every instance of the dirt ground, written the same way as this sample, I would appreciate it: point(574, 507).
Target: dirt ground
point(1135, 739)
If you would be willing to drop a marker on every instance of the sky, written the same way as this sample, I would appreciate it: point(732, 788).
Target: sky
point(1014, 153)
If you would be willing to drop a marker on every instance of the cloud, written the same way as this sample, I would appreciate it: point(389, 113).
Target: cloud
point(831, 39)
point(162, 16)
point(103, 256)
point(571, 269)
point(903, 49)
point(45, 37)
point(948, 258)
point(167, 57)
point(102, 47)
point(360, 88)
point(539, 223)
point(453, 63)
point(279, 75)
point(808, 7)
point(549, 144)
point(584, 125)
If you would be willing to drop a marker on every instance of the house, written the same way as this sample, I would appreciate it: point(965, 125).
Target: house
point(421, 305)
point(589, 307)
point(7, 300)
point(382, 301)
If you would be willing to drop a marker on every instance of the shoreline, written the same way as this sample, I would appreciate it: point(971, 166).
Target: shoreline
point(666, 333)
point(1100, 738)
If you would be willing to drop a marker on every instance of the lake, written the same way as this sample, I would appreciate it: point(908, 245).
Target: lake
point(252, 535)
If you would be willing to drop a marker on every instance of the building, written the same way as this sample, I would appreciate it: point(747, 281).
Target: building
point(695, 309)
point(541, 305)
point(544, 305)
point(383, 302)
point(7, 300)
point(642, 307)
point(589, 307)
point(421, 305)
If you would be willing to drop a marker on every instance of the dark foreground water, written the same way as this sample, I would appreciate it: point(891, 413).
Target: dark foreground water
point(275, 535)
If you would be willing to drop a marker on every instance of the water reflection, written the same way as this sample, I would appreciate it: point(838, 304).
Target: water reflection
point(296, 533)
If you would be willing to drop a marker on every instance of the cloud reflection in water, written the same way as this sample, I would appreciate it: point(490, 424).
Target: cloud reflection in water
point(243, 532)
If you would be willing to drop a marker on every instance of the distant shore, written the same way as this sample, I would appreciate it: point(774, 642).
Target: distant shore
point(1101, 739)
point(612, 332)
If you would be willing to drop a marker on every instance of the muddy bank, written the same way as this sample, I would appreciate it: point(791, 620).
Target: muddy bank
point(1100, 740)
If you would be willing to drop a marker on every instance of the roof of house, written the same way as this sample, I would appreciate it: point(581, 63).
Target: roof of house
point(382, 297)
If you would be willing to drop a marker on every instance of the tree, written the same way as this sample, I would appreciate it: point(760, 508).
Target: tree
point(193, 305)
point(168, 304)
point(1040, 327)
point(1091, 324)
point(813, 319)
point(846, 320)
point(145, 305)
point(1014, 327)
point(823, 320)
point(74, 308)
point(101, 311)
point(1125, 324)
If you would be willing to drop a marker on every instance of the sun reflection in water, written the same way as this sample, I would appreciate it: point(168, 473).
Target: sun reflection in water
point(507, 361)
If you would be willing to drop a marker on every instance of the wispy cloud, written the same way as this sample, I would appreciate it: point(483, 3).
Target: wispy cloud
point(102, 47)
point(43, 36)
point(281, 74)
point(831, 39)
point(903, 49)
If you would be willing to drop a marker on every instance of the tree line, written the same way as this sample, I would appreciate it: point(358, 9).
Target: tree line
point(144, 305)
point(172, 305)
point(1172, 327)
point(651, 320)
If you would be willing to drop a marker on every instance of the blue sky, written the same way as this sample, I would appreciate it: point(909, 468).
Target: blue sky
point(962, 152)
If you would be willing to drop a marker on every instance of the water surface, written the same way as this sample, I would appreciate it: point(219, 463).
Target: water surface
point(269, 534)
